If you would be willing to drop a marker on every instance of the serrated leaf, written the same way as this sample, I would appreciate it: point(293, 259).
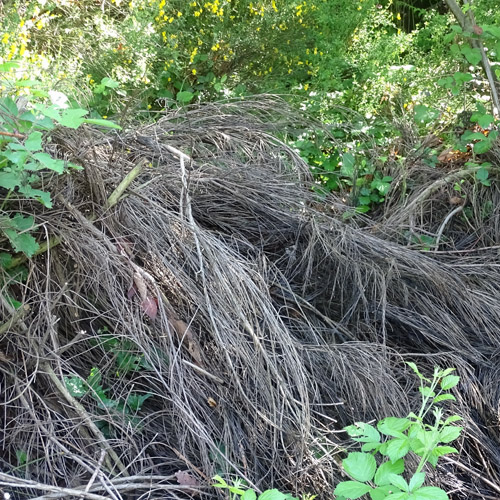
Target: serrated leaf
point(430, 493)
point(399, 482)
point(34, 141)
point(397, 448)
point(135, 401)
point(382, 475)
point(363, 432)
point(185, 97)
point(72, 118)
point(51, 163)
point(381, 492)
point(444, 397)
point(21, 222)
point(22, 242)
point(416, 481)
point(351, 489)
point(272, 495)
point(393, 426)
point(360, 466)
point(37, 194)
point(449, 434)
point(439, 451)
point(75, 386)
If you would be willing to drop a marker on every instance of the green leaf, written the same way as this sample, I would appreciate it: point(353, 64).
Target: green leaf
point(249, 495)
point(135, 401)
point(75, 386)
point(42, 196)
point(481, 175)
point(348, 162)
point(94, 379)
point(403, 495)
point(393, 426)
point(72, 118)
point(399, 482)
point(414, 367)
point(430, 493)
point(485, 121)
point(424, 114)
point(472, 55)
point(397, 448)
point(184, 97)
point(351, 489)
point(272, 495)
point(444, 397)
point(426, 392)
point(5, 260)
point(449, 434)
point(381, 492)
point(453, 418)
point(221, 483)
point(440, 451)
point(102, 123)
point(9, 180)
point(387, 468)
point(482, 146)
point(416, 481)
point(51, 163)
point(109, 82)
point(9, 106)
point(34, 141)
point(360, 466)
point(363, 432)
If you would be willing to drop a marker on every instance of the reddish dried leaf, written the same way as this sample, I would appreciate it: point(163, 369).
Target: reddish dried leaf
point(184, 478)
point(150, 306)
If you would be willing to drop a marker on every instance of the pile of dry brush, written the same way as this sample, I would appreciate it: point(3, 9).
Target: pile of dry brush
point(234, 322)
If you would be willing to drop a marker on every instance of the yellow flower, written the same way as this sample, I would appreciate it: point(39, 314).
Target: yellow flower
point(193, 71)
point(104, 116)
point(171, 20)
point(39, 25)
point(306, 86)
point(179, 13)
point(5, 38)
point(197, 13)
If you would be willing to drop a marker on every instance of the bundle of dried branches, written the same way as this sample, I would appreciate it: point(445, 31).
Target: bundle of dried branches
point(251, 325)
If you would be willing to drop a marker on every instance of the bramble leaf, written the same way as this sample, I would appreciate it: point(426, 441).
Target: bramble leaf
point(360, 466)
point(351, 489)
point(387, 468)
point(393, 426)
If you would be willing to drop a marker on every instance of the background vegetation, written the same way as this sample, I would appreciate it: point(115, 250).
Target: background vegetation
point(340, 230)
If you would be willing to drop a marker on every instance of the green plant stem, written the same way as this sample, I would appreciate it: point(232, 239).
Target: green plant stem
point(111, 202)
point(432, 445)
point(124, 184)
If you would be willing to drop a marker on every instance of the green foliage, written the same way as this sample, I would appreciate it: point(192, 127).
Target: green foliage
point(25, 126)
point(390, 442)
point(394, 438)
